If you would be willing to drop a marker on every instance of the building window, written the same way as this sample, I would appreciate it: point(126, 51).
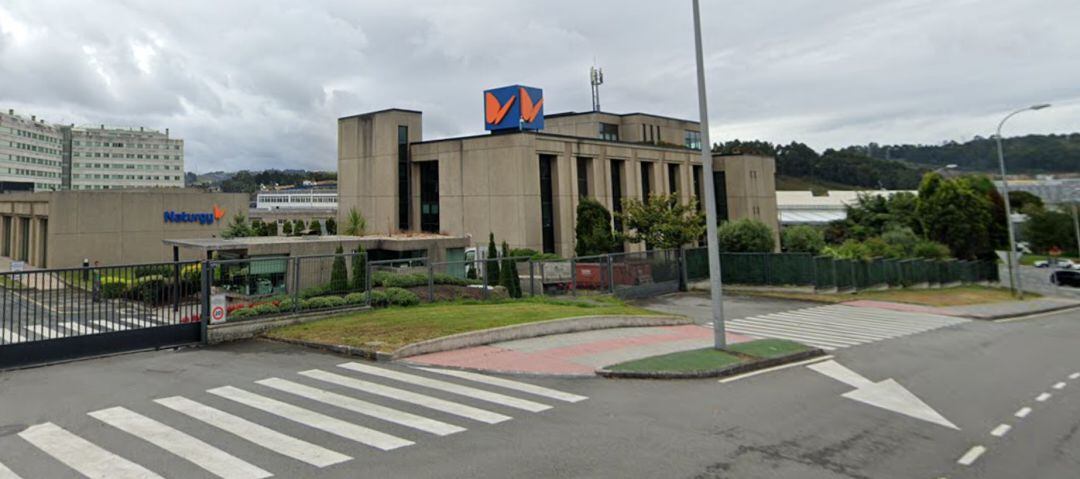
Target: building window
point(429, 196)
point(692, 140)
point(673, 179)
point(720, 187)
point(403, 178)
point(609, 131)
point(646, 180)
point(616, 191)
point(697, 185)
point(547, 206)
point(583, 177)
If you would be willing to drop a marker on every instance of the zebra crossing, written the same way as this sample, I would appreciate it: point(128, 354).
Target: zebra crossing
point(42, 329)
point(839, 326)
point(327, 406)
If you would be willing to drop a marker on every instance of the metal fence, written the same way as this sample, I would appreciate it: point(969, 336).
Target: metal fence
point(827, 273)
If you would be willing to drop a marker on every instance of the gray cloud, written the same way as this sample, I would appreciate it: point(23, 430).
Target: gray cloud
point(259, 84)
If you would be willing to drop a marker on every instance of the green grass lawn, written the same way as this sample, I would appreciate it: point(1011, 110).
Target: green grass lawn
point(390, 328)
point(955, 296)
point(1030, 259)
point(709, 359)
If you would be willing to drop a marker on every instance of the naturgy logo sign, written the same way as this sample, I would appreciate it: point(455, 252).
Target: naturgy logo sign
point(514, 107)
point(201, 218)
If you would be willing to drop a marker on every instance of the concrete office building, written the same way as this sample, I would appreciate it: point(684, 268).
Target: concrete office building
point(524, 186)
point(59, 229)
point(49, 157)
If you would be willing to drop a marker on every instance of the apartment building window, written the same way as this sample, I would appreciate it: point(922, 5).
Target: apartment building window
point(583, 176)
point(403, 178)
point(646, 180)
point(547, 202)
point(692, 140)
point(616, 191)
point(609, 131)
point(697, 186)
point(673, 179)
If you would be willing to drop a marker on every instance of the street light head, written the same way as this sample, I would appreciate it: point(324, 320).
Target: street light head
point(1040, 106)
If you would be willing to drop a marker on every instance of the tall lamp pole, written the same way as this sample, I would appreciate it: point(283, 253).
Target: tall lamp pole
point(716, 292)
point(1014, 273)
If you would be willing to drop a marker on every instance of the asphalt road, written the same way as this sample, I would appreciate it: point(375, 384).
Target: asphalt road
point(1037, 280)
point(698, 307)
point(787, 423)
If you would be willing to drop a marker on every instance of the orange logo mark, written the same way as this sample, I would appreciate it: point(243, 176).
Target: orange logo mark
point(493, 111)
point(218, 213)
point(528, 110)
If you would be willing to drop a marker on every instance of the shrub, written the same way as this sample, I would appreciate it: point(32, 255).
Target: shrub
point(443, 278)
point(265, 308)
point(113, 288)
point(242, 313)
point(508, 277)
point(379, 298)
point(593, 230)
point(161, 270)
point(492, 265)
point(401, 297)
point(802, 239)
point(523, 252)
point(322, 302)
point(745, 236)
point(359, 269)
point(286, 305)
point(389, 279)
point(902, 241)
point(314, 291)
point(339, 278)
point(930, 250)
point(355, 298)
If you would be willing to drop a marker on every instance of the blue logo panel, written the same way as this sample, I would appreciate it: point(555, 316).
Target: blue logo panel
point(514, 107)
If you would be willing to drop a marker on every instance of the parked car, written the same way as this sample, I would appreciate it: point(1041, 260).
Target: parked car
point(1066, 278)
point(1060, 263)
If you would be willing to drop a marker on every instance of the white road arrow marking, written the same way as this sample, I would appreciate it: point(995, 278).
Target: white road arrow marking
point(887, 394)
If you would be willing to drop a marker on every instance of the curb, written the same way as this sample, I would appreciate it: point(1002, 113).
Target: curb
point(732, 370)
point(254, 327)
point(997, 317)
point(533, 330)
point(368, 354)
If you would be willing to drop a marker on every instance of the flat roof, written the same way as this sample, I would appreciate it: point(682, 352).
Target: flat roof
point(638, 113)
point(214, 244)
point(566, 137)
point(381, 111)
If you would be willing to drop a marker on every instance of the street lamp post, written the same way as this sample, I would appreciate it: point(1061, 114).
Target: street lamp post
point(1014, 274)
point(716, 293)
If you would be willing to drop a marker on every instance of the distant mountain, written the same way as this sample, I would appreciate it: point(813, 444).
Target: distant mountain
point(247, 181)
point(1023, 154)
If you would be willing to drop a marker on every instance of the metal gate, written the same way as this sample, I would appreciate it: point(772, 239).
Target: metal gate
point(59, 314)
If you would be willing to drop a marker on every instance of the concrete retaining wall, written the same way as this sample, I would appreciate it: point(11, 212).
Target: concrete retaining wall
point(247, 329)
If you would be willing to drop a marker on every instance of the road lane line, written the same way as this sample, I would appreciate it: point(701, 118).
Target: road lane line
point(508, 384)
point(43, 332)
point(210, 458)
point(831, 330)
point(307, 417)
point(1074, 375)
point(1023, 412)
point(971, 456)
point(1043, 397)
point(1059, 385)
point(466, 391)
point(111, 325)
point(429, 402)
point(1001, 430)
point(6, 473)
point(376, 411)
point(260, 435)
point(786, 332)
point(775, 368)
point(82, 455)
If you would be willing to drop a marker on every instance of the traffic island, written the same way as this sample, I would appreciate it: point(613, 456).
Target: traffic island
point(713, 363)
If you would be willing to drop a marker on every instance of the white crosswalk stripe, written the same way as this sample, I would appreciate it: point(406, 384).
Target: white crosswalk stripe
point(466, 391)
point(839, 326)
point(82, 455)
point(6, 473)
point(111, 325)
point(8, 336)
point(78, 328)
point(363, 407)
point(508, 384)
point(285, 445)
point(214, 460)
point(348, 430)
point(429, 402)
point(44, 332)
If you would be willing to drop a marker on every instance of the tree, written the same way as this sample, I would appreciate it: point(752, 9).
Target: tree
point(286, 229)
point(359, 269)
point(802, 239)
point(315, 227)
point(271, 228)
point(954, 214)
point(331, 226)
point(339, 278)
point(1022, 200)
point(593, 231)
point(662, 221)
point(508, 274)
point(238, 227)
point(745, 236)
point(1046, 229)
point(492, 273)
point(298, 227)
point(355, 224)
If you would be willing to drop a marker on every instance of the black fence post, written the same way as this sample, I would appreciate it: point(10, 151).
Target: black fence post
point(532, 279)
point(684, 278)
point(484, 267)
point(207, 272)
point(573, 277)
point(296, 284)
point(176, 279)
point(431, 282)
point(610, 273)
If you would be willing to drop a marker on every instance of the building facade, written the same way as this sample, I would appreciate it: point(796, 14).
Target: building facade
point(63, 157)
point(60, 229)
point(524, 186)
point(297, 199)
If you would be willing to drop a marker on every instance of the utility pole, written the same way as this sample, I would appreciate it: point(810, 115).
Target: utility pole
point(1014, 267)
point(716, 288)
point(1076, 225)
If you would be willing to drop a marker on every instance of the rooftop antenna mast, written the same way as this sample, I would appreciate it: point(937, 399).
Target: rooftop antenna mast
point(596, 78)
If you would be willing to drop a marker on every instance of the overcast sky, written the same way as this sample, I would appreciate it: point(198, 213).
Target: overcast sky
point(259, 84)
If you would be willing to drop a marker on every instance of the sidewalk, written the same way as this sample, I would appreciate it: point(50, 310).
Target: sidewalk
point(576, 354)
point(989, 311)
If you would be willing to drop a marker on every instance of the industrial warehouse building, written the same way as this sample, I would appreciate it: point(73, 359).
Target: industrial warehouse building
point(59, 229)
point(524, 184)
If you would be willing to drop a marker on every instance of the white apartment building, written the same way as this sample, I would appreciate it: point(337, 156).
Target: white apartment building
point(62, 157)
point(305, 199)
point(31, 151)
